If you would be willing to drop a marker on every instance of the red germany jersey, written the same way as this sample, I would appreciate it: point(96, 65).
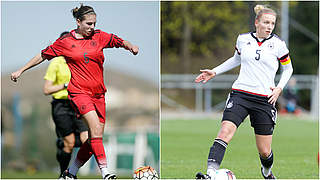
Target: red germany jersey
point(85, 59)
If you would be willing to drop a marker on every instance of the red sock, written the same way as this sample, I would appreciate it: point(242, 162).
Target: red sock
point(98, 151)
point(84, 153)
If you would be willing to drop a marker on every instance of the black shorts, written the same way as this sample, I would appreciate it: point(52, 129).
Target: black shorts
point(263, 115)
point(65, 118)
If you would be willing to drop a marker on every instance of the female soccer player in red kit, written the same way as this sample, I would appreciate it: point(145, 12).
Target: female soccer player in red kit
point(83, 51)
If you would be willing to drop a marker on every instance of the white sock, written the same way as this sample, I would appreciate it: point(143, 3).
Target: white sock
point(266, 171)
point(211, 172)
point(104, 172)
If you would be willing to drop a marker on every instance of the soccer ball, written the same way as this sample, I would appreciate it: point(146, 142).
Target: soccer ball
point(224, 174)
point(145, 173)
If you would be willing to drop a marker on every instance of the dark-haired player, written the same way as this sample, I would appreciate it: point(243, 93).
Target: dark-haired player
point(83, 50)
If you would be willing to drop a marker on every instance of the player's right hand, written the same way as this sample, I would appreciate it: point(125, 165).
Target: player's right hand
point(205, 76)
point(15, 76)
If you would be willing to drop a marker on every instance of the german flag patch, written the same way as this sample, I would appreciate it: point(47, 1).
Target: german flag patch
point(285, 60)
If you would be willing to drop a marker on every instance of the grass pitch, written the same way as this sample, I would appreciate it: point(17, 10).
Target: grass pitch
point(9, 174)
point(185, 146)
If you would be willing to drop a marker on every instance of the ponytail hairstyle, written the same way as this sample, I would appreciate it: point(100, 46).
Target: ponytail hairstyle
point(262, 9)
point(78, 13)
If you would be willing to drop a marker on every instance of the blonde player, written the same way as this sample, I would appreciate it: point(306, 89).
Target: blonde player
point(254, 92)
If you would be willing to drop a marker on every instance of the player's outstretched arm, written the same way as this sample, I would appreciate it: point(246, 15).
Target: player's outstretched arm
point(205, 76)
point(33, 62)
point(132, 48)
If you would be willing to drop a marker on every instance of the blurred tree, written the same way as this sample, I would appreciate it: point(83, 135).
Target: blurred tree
point(197, 35)
point(304, 51)
point(201, 34)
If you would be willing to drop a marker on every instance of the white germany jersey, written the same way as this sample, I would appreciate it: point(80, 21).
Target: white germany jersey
point(259, 62)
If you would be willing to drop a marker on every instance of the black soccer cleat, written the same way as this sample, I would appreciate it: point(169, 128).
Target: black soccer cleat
point(67, 175)
point(199, 175)
point(271, 176)
point(110, 176)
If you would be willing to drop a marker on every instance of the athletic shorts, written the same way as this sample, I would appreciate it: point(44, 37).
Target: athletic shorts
point(65, 118)
point(262, 114)
point(84, 103)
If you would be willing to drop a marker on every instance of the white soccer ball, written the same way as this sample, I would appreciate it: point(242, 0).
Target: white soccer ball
point(145, 173)
point(224, 174)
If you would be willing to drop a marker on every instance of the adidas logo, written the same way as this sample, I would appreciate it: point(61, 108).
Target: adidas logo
point(230, 104)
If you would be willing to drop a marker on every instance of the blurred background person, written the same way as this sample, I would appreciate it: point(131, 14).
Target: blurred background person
point(71, 131)
point(290, 98)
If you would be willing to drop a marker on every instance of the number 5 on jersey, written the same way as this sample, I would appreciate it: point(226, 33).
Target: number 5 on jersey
point(258, 54)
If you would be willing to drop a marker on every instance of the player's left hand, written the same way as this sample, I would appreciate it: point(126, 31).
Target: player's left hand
point(273, 97)
point(134, 50)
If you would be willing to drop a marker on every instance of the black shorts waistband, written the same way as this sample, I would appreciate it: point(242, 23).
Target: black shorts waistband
point(60, 100)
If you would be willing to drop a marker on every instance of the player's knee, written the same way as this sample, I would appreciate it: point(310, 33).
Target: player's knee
point(265, 152)
point(69, 144)
point(96, 132)
point(227, 130)
point(225, 134)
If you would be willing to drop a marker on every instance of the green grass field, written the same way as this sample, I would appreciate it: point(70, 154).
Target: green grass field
point(9, 174)
point(185, 146)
